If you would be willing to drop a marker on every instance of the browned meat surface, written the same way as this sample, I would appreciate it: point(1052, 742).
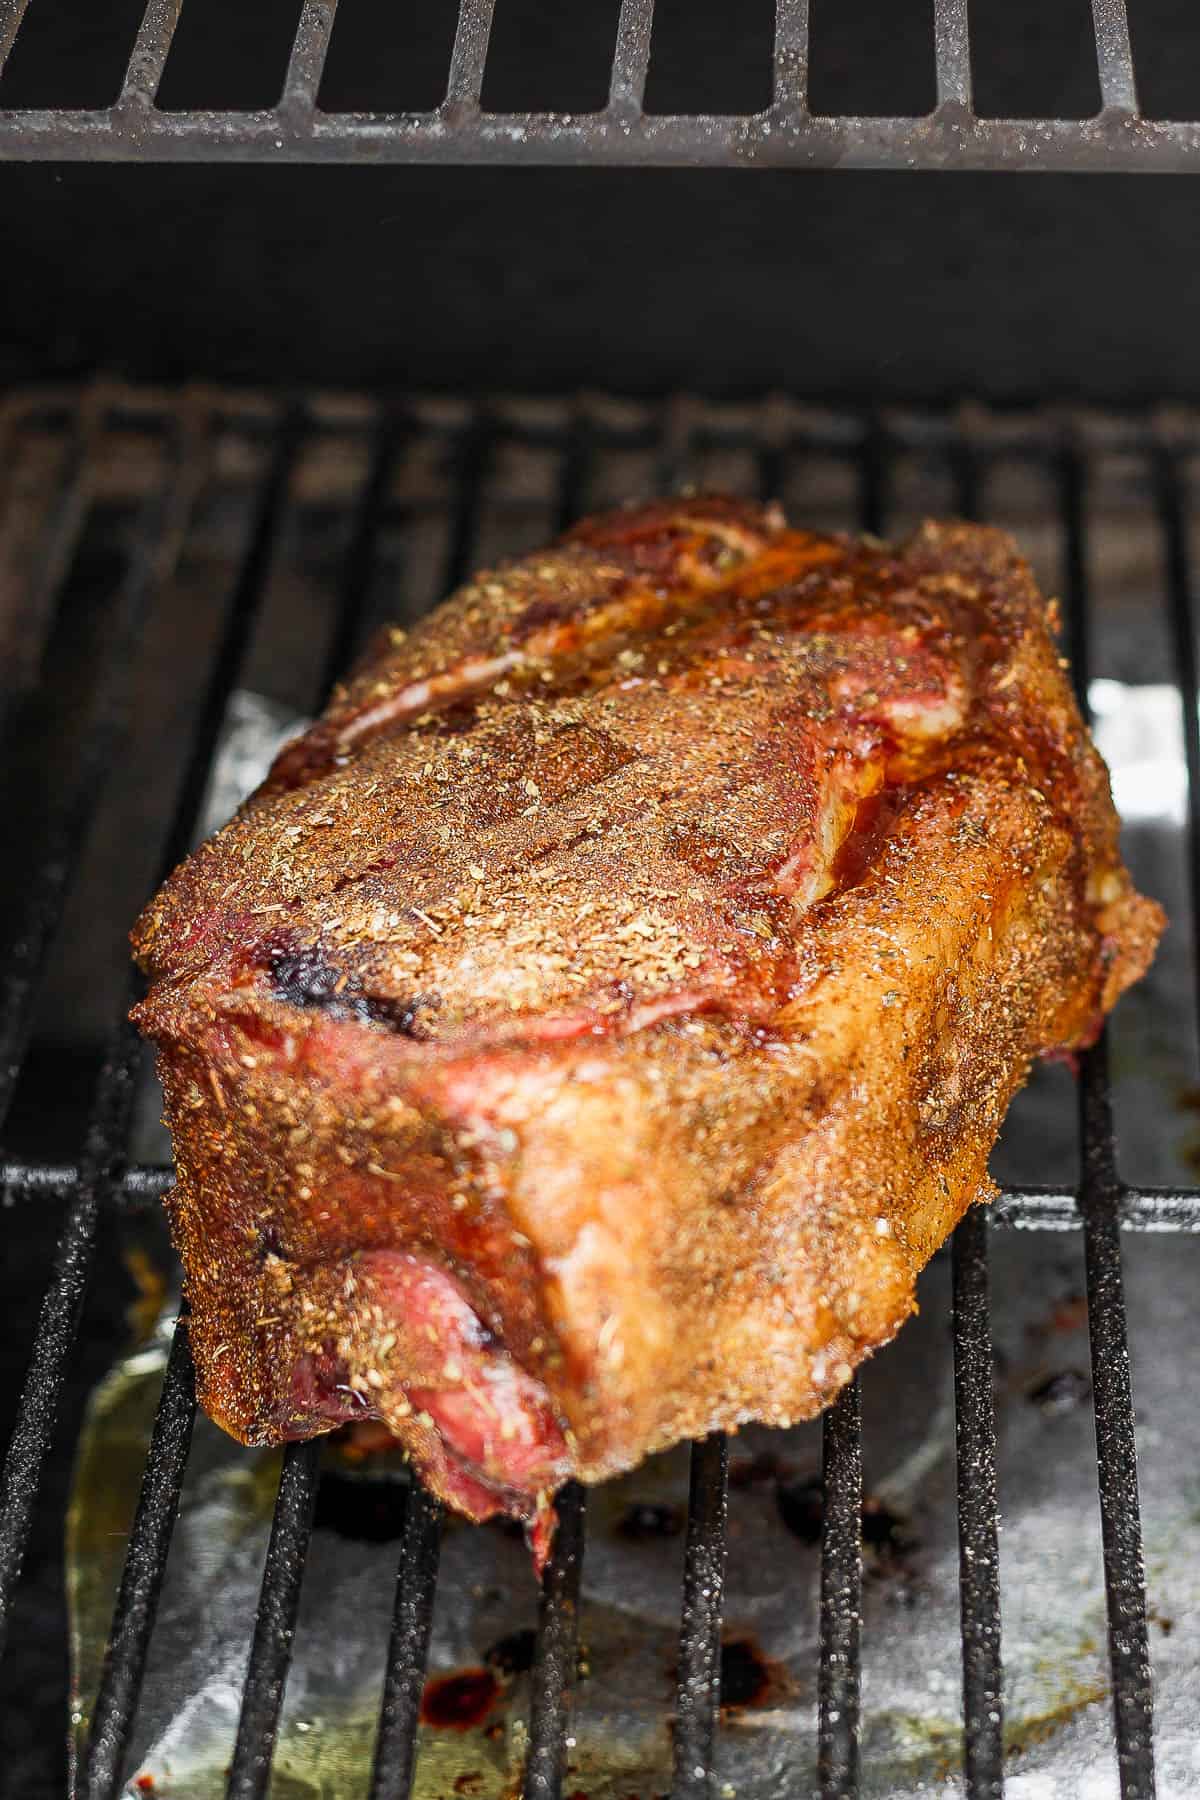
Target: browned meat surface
point(587, 1033)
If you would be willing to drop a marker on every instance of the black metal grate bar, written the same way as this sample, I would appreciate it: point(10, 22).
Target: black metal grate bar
point(469, 55)
point(1138, 1209)
point(472, 454)
point(791, 57)
point(967, 477)
point(1100, 1204)
point(307, 62)
point(146, 1559)
point(1114, 56)
point(408, 1650)
point(978, 1546)
point(675, 444)
point(841, 1599)
point(140, 1185)
point(1021, 1209)
point(699, 1688)
point(345, 638)
point(784, 134)
point(101, 1168)
point(141, 1580)
point(57, 1327)
point(11, 14)
point(150, 51)
point(28, 614)
point(1183, 634)
point(101, 1163)
point(952, 52)
point(279, 1601)
point(159, 537)
point(552, 1678)
point(574, 469)
point(239, 626)
point(873, 476)
point(1116, 1446)
point(631, 58)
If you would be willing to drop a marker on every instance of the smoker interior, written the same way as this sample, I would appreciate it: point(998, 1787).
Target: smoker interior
point(171, 552)
point(342, 255)
point(175, 558)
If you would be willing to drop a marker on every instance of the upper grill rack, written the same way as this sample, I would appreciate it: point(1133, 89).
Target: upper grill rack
point(786, 133)
point(577, 437)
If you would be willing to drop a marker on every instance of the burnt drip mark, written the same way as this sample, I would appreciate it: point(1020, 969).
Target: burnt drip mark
point(459, 1702)
point(801, 1507)
point(1063, 1392)
point(304, 977)
point(748, 1678)
point(885, 1531)
point(860, 849)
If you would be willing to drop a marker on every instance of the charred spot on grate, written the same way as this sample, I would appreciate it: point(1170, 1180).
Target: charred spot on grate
point(1060, 1393)
point(304, 977)
point(885, 1531)
point(458, 1702)
point(802, 1508)
point(745, 1673)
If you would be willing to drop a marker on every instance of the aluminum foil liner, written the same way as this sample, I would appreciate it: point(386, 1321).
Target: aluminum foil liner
point(1057, 1706)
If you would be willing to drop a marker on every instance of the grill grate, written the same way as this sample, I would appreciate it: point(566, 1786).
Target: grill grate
point(579, 438)
point(787, 133)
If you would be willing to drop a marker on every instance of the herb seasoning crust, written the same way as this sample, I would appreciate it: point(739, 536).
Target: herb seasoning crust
point(599, 1016)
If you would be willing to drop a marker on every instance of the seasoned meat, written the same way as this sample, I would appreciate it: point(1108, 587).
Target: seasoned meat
point(599, 1016)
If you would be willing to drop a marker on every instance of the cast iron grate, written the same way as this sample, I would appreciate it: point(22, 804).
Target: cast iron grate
point(788, 132)
point(580, 439)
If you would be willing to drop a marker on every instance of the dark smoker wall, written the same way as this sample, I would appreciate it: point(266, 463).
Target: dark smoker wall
point(871, 286)
point(863, 286)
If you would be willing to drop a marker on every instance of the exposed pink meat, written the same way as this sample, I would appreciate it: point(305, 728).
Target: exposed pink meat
point(490, 1434)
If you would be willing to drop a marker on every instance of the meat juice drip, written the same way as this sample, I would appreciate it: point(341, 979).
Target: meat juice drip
point(746, 1676)
point(874, 817)
point(461, 1701)
point(750, 1679)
